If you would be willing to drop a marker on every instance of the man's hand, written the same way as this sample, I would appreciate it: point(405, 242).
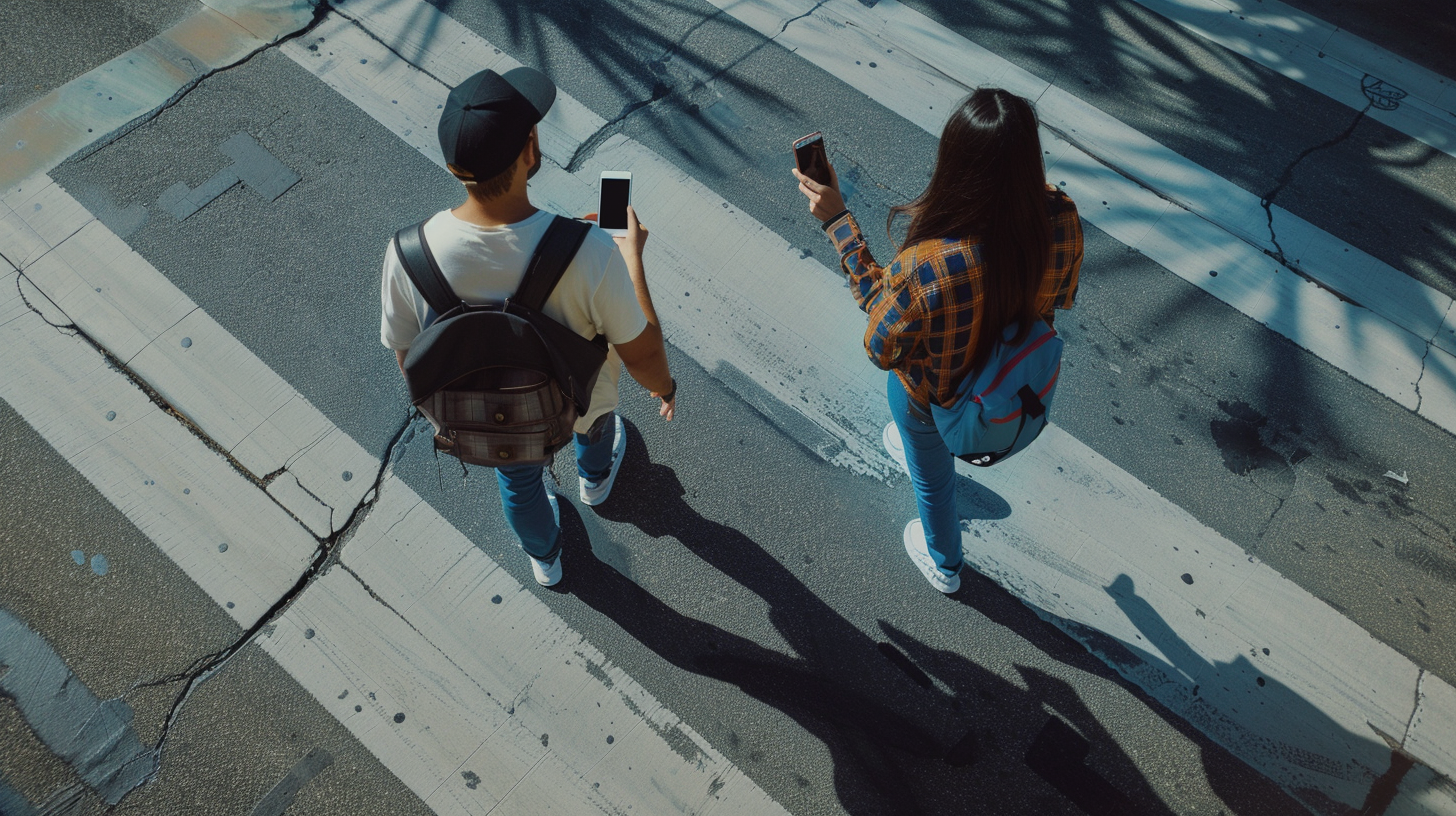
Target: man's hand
point(630, 244)
point(824, 199)
point(668, 405)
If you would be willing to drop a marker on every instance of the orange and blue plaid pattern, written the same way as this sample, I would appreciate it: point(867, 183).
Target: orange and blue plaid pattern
point(925, 307)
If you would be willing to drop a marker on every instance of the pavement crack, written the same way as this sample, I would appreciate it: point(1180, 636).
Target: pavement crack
point(588, 147)
point(1276, 254)
point(792, 20)
point(1415, 709)
point(1287, 177)
point(1425, 358)
point(320, 12)
point(68, 329)
point(327, 554)
point(660, 90)
point(375, 37)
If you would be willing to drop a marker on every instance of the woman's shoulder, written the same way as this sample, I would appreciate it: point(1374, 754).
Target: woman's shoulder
point(1058, 202)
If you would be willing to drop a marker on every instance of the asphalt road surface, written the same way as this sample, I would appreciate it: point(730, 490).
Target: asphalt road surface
point(746, 576)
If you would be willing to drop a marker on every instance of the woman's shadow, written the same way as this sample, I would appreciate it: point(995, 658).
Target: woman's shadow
point(899, 741)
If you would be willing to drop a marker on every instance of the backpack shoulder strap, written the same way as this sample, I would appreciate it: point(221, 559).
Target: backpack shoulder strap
point(553, 255)
point(414, 255)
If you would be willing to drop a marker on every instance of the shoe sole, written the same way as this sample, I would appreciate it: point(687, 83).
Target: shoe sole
point(891, 432)
point(618, 444)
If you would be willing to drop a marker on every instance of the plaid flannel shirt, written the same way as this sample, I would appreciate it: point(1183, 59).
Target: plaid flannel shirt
point(925, 308)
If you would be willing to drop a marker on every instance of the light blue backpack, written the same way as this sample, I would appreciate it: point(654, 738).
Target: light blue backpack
point(1002, 408)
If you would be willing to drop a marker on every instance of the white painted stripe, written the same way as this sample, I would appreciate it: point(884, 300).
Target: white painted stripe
point(91, 107)
point(1098, 523)
point(1324, 58)
point(481, 685)
point(922, 69)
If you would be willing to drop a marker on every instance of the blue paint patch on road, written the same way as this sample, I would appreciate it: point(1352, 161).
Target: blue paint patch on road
point(253, 166)
point(281, 797)
point(79, 557)
point(93, 736)
point(99, 564)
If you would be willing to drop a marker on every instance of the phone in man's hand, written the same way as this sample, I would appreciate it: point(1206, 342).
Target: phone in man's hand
point(616, 194)
point(809, 155)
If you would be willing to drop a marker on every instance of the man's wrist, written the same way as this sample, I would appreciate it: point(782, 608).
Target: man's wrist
point(671, 393)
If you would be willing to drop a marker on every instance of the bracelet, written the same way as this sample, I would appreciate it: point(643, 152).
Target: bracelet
point(824, 225)
point(671, 395)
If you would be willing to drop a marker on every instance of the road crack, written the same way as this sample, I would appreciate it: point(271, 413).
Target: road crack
point(1287, 177)
point(375, 37)
point(329, 549)
point(1422, 376)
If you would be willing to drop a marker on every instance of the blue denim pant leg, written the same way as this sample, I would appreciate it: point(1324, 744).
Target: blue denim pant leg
point(932, 474)
point(523, 495)
point(594, 448)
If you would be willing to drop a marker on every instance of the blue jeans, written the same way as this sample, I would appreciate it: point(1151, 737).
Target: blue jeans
point(932, 473)
point(523, 493)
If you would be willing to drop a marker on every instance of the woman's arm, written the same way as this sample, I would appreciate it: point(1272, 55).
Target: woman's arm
point(826, 204)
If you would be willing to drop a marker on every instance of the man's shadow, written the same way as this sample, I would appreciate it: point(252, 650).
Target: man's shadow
point(900, 743)
point(1272, 725)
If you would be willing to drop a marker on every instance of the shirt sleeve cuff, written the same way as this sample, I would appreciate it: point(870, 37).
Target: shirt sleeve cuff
point(830, 221)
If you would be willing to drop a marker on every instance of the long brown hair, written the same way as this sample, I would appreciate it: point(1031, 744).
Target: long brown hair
point(989, 184)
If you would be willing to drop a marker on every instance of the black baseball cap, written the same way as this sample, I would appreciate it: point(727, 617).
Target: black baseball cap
point(488, 118)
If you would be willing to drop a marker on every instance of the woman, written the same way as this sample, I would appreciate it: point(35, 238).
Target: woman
point(989, 244)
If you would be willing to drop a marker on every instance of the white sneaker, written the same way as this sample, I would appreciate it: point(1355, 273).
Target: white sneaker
point(548, 574)
point(593, 494)
point(895, 446)
point(920, 554)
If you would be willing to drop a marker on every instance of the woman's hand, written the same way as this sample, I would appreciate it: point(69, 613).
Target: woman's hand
point(824, 199)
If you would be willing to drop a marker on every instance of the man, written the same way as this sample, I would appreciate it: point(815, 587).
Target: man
point(488, 136)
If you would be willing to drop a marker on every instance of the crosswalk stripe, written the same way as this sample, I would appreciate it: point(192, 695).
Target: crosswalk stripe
point(1400, 339)
point(1348, 69)
point(1082, 529)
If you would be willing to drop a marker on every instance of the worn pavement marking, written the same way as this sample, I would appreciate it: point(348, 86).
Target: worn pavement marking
point(103, 101)
point(1191, 221)
point(1355, 72)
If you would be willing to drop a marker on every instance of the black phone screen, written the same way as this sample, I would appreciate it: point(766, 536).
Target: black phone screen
point(812, 161)
point(613, 213)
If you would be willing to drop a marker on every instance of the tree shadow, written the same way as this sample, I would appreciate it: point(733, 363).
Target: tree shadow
point(899, 741)
point(669, 53)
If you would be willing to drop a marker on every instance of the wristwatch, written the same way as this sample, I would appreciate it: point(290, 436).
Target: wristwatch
point(669, 396)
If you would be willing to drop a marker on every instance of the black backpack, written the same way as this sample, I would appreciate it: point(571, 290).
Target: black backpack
point(502, 383)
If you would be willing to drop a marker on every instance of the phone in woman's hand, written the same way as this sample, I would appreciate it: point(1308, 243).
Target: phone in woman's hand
point(813, 162)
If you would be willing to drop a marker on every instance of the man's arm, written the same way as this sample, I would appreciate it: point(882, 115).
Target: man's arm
point(645, 355)
point(399, 355)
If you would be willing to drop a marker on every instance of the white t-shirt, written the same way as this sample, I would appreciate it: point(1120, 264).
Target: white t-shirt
point(486, 264)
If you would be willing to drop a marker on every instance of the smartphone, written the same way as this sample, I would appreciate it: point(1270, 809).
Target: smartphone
point(616, 195)
point(809, 155)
